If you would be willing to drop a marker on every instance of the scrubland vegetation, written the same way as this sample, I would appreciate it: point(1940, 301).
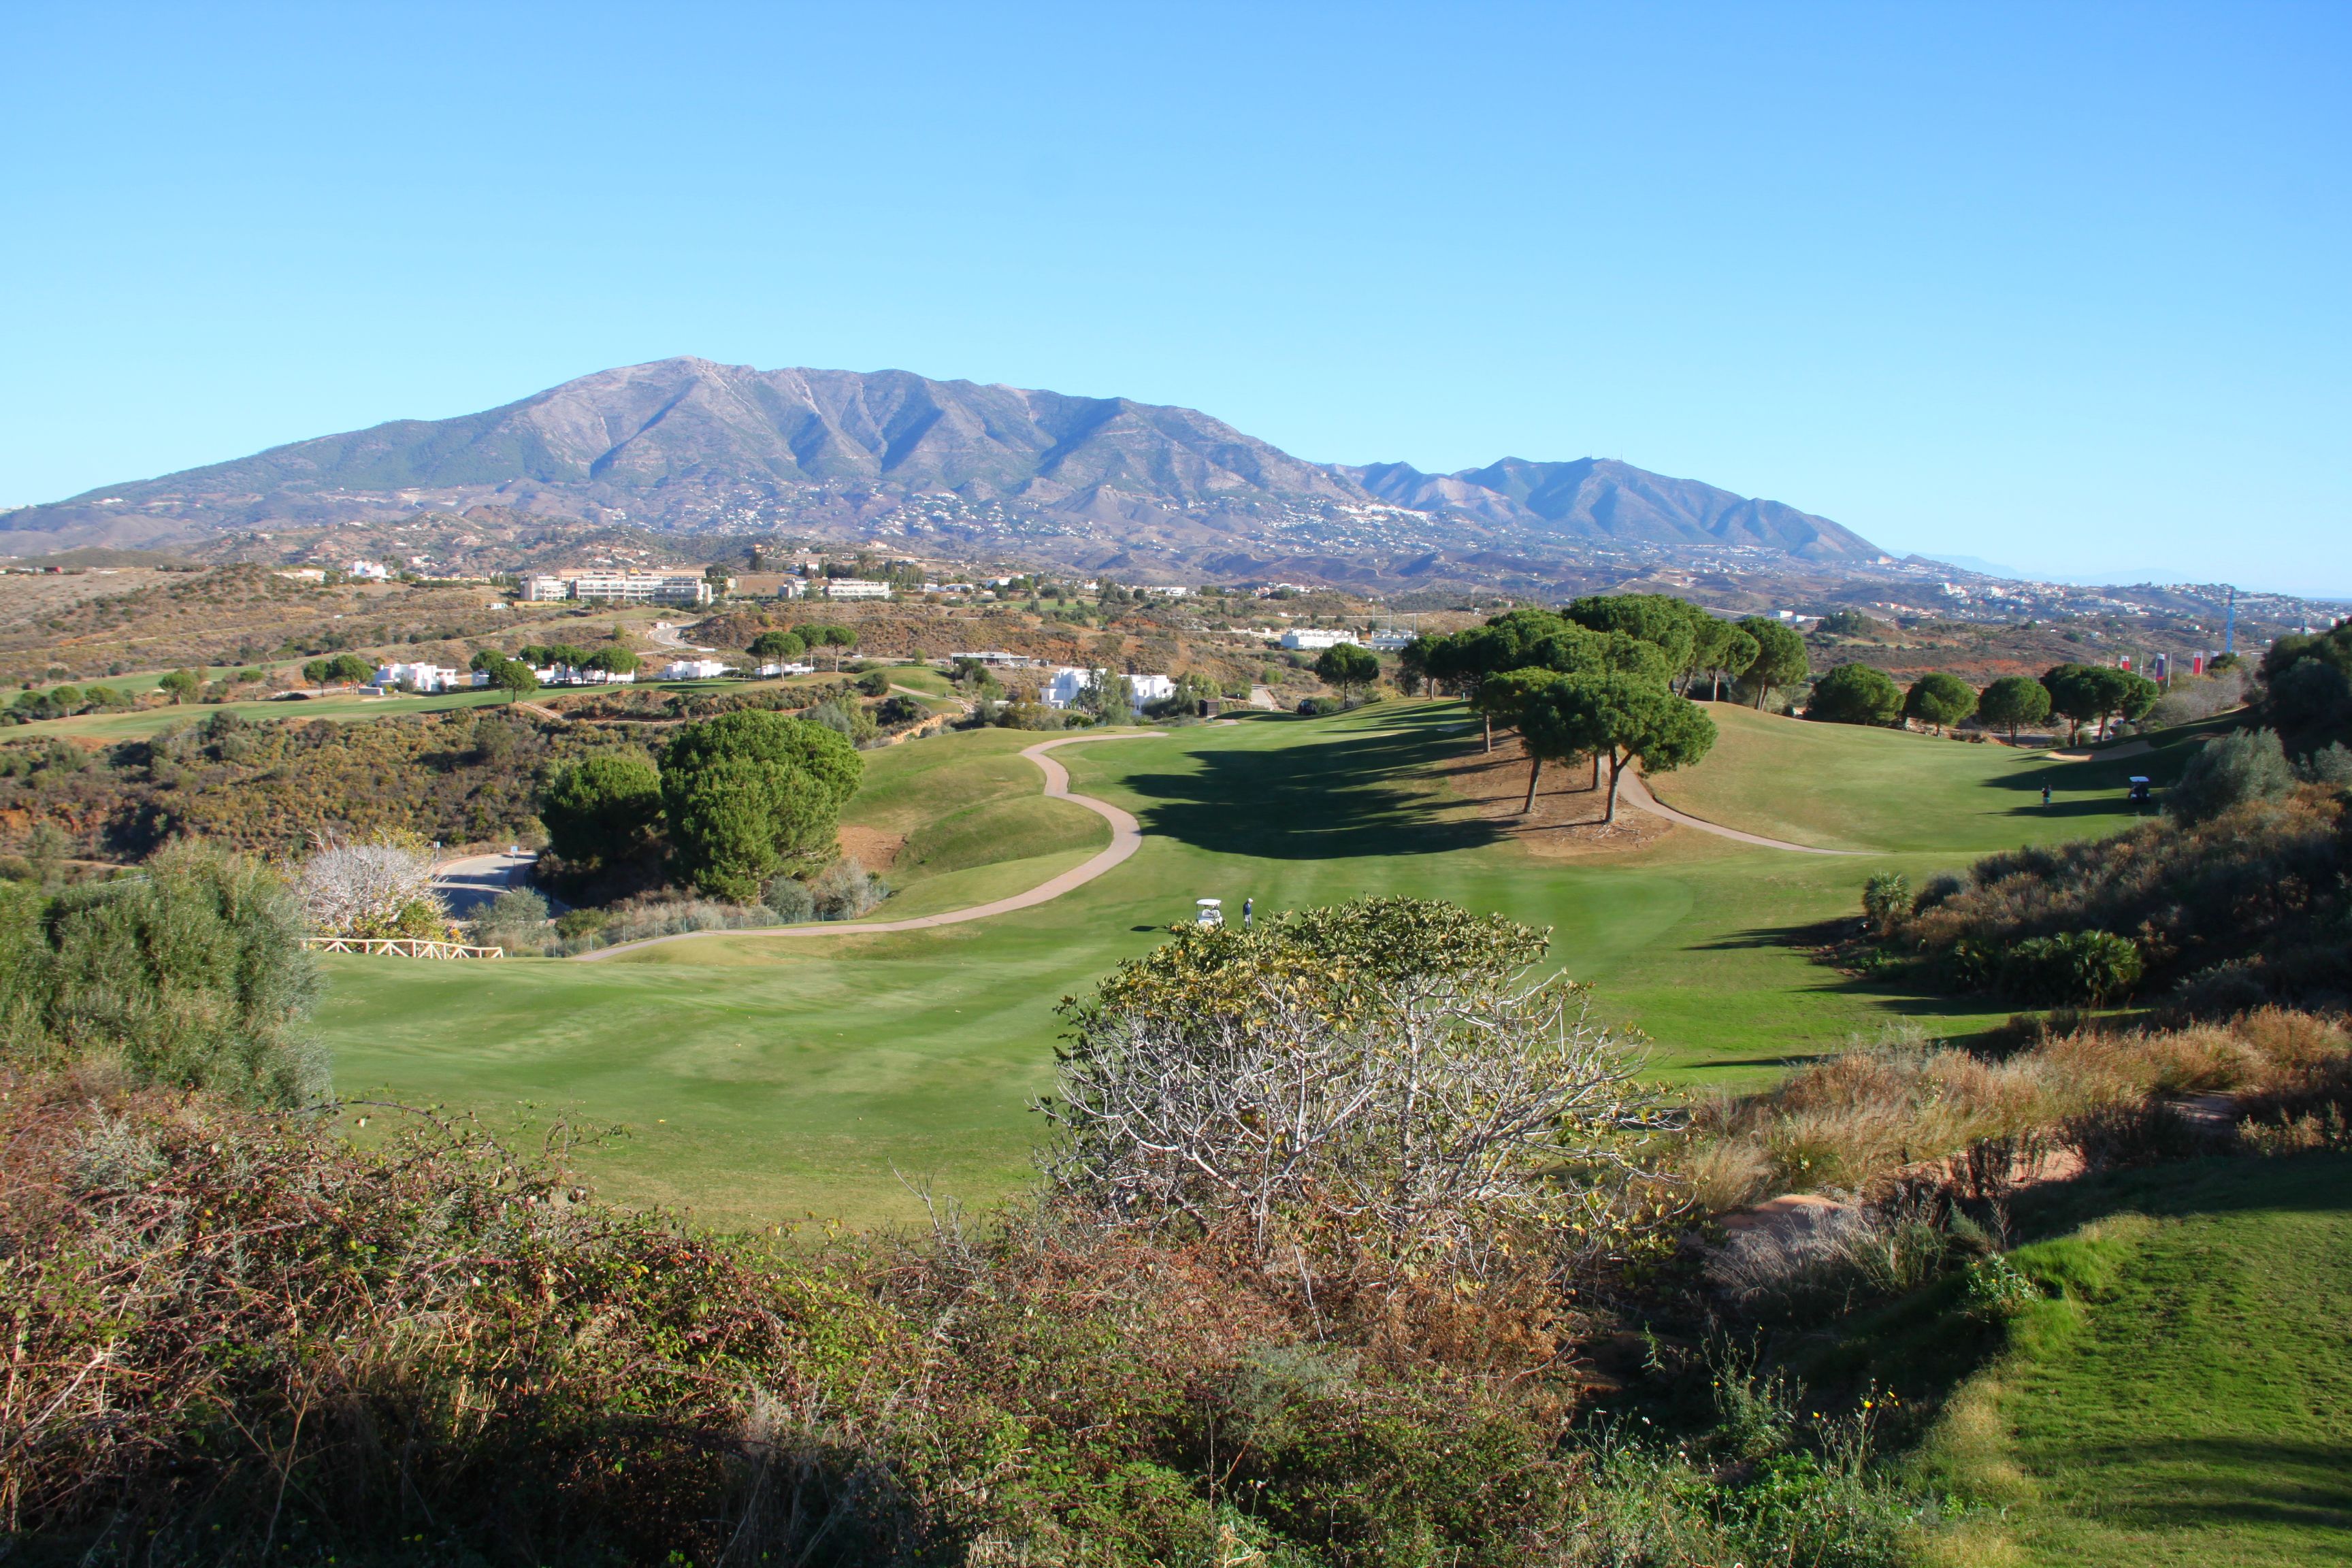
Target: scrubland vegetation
point(1393, 1330)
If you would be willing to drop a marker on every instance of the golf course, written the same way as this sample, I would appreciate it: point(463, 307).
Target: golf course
point(759, 1078)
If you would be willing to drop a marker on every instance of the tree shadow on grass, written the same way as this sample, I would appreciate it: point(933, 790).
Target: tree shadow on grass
point(2265, 1483)
point(1344, 798)
point(1821, 940)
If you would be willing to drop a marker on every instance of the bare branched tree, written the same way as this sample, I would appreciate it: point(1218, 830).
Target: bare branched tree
point(1392, 1065)
point(368, 889)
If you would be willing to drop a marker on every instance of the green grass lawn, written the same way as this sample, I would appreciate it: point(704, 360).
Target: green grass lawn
point(763, 1077)
point(2194, 1406)
point(1844, 786)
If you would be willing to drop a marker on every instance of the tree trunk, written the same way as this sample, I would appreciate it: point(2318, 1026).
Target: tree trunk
point(1490, 719)
point(1760, 697)
point(1616, 766)
point(1535, 771)
point(1596, 770)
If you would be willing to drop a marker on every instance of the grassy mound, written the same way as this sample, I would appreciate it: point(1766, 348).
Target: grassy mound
point(1846, 786)
point(964, 800)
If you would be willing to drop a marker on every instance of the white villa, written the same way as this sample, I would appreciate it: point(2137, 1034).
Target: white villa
point(694, 669)
point(855, 588)
point(428, 678)
point(1308, 638)
point(1069, 682)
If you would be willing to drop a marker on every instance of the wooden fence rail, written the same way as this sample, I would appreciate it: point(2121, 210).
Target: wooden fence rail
point(400, 947)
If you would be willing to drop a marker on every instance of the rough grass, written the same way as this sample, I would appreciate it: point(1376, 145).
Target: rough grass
point(1856, 1121)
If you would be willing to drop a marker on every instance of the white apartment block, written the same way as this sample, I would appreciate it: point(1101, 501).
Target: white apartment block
point(855, 588)
point(1308, 638)
point(624, 587)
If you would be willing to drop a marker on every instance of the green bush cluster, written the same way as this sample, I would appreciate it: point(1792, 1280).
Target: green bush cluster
point(190, 973)
point(2241, 895)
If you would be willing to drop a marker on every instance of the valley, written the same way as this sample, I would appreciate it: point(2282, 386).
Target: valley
point(762, 1078)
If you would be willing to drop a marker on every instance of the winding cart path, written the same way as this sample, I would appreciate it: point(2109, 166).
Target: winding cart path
point(1126, 838)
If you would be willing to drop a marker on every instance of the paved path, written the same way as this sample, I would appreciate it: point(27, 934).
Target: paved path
point(469, 885)
point(668, 636)
point(1126, 838)
point(1635, 792)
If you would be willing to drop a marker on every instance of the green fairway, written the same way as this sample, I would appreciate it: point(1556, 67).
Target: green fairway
point(765, 1077)
point(2194, 1406)
point(1845, 787)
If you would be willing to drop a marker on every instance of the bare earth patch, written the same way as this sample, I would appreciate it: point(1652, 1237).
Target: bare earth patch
point(871, 847)
point(1566, 818)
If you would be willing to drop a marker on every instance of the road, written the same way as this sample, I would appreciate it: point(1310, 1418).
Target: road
point(668, 636)
point(468, 884)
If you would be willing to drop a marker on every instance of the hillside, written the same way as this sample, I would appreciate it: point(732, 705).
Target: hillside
point(687, 446)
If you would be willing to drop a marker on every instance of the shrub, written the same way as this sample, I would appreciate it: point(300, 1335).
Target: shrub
point(516, 920)
point(2136, 1132)
point(1387, 1067)
point(191, 974)
point(644, 917)
point(846, 889)
point(2261, 886)
point(851, 721)
point(789, 899)
point(2331, 766)
point(2230, 771)
point(2091, 967)
point(1884, 899)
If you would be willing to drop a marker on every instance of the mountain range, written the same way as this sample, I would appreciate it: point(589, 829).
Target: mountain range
point(688, 446)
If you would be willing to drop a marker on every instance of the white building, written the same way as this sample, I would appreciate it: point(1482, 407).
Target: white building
point(778, 671)
point(1388, 642)
point(855, 588)
point(1069, 682)
point(694, 669)
point(367, 571)
point(626, 587)
point(428, 678)
point(569, 674)
point(1308, 638)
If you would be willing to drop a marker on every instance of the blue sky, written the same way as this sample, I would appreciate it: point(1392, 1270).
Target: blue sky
point(2059, 286)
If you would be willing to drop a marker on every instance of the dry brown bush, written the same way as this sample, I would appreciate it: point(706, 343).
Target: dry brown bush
point(1855, 1121)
